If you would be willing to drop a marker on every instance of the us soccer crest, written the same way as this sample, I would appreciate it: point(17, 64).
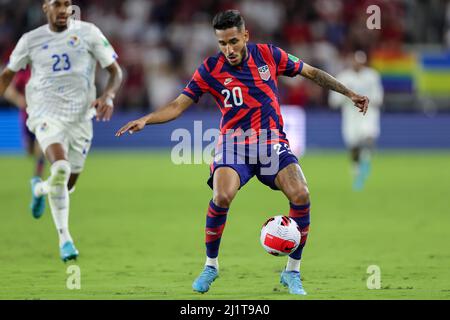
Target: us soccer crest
point(264, 72)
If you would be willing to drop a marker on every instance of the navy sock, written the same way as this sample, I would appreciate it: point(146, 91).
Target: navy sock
point(301, 215)
point(215, 223)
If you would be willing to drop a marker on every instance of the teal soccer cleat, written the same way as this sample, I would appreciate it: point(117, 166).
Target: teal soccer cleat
point(37, 203)
point(68, 252)
point(204, 280)
point(291, 279)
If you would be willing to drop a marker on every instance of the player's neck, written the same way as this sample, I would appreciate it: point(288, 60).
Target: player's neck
point(57, 29)
point(245, 55)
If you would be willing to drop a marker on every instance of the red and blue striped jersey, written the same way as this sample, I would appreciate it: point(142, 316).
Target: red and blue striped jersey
point(247, 94)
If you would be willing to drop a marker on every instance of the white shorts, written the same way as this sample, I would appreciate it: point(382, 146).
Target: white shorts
point(356, 129)
point(75, 137)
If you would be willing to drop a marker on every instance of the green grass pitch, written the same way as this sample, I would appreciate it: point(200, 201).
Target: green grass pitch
point(138, 221)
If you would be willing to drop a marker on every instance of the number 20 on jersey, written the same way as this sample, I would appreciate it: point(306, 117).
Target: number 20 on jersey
point(233, 97)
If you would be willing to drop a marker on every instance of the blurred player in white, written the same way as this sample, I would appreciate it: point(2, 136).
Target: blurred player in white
point(61, 102)
point(360, 133)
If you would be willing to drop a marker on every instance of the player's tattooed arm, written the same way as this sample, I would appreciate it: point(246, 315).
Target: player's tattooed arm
point(169, 112)
point(5, 79)
point(327, 81)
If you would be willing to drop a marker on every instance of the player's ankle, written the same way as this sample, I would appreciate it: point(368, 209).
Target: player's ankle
point(212, 262)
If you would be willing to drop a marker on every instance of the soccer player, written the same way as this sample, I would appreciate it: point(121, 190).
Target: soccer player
point(16, 95)
point(242, 78)
point(61, 102)
point(360, 133)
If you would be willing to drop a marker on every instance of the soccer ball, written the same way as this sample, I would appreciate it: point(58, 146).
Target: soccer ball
point(280, 236)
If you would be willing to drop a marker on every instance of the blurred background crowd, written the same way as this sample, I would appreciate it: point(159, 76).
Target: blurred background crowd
point(162, 42)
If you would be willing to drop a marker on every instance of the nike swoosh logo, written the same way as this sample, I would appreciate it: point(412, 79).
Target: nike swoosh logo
point(228, 81)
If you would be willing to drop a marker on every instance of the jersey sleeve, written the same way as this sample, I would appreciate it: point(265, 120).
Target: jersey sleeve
point(197, 86)
point(101, 48)
point(19, 58)
point(287, 64)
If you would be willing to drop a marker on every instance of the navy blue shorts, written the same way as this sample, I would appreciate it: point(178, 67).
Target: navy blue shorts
point(265, 165)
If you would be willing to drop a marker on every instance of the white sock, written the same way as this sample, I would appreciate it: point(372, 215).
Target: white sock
point(41, 189)
point(293, 265)
point(64, 236)
point(213, 262)
point(59, 198)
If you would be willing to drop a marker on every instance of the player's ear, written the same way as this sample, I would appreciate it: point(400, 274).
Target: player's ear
point(246, 35)
point(45, 6)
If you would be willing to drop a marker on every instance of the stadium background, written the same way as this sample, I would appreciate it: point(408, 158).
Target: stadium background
point(160, 43)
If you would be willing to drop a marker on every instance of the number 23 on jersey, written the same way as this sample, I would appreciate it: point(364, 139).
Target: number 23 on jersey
point(61, 62)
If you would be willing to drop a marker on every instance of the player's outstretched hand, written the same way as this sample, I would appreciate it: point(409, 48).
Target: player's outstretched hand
point(361, 102)
point(104, 107)
point(132, 127)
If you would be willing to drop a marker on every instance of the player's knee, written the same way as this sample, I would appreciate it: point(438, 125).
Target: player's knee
point(223, 199)
point(300, 196)
point(60, 172)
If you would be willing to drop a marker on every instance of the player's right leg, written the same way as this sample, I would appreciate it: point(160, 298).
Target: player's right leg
point(226, 183)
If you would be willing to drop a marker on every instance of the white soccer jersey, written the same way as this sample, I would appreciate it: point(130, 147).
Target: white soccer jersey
point(355, 126)
point(62, 83)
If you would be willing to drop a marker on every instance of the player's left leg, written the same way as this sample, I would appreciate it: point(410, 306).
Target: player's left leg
point(291, 181)
point(38, 203)
point(362, 156)
point(355, 156)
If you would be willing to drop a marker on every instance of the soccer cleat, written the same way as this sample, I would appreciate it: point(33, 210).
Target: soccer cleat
point(204, 280)
point(291, 279)
point(37, 203)
point(68, 252)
